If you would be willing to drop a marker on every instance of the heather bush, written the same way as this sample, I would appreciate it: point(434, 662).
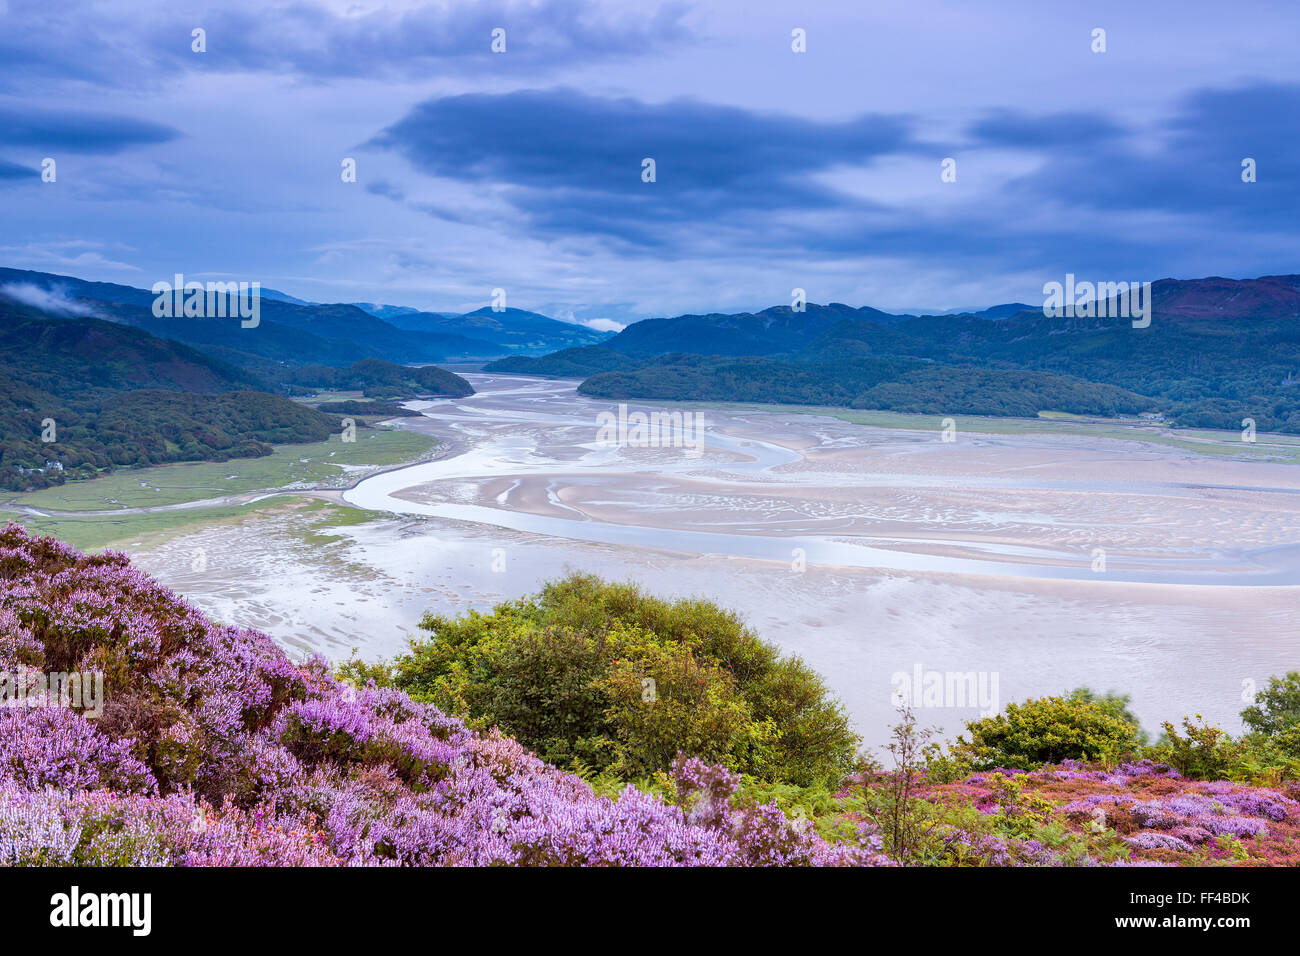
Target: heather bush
point(215, 750)
point(605, 678)
point(1047, 730)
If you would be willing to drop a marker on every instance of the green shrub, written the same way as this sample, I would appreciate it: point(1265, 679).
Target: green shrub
point(1205, 753)
point(1113, 703)
point(1046, 731)
point(1275, 714)
point(607, 679)
point(1210, 753)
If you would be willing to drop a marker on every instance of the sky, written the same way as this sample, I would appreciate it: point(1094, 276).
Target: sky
point(774, 169)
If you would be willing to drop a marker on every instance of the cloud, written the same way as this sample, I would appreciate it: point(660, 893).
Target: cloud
point(1188, 164)
point(12, 171)
point(78, 132)
point(312, 40)
point(573, 163)
point(602, 325)
point(110, 44)
point(523, 169)
point(75, 256)
point(54, 300)
point(382, 187)
point(1039, 193)
point(1077, 130)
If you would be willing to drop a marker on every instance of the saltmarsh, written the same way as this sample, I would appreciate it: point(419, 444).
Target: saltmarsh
point(316, 463)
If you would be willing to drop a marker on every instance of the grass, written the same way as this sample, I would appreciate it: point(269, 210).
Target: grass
point(312, 463)
point(147, 531)
point(341, 396)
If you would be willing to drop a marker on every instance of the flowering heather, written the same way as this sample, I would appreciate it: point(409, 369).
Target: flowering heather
point(1158, 816)
point(215, 749)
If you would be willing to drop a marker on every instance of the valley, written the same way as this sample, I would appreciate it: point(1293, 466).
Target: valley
point(867, 550)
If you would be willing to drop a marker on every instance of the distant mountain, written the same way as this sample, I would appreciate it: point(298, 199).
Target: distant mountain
point(283, 297)
point(567, 363)
point(992, 312)
point(771, 332)
point(386, 312)
point(1269, 297)
point(1216, 353)
point(780, 330)
point(292, 330)
point(287, 332)
point(999, 311)
point(67, 356)
point(515, 331)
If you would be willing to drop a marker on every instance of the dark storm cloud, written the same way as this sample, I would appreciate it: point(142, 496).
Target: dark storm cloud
point(78, 132)
point(570, 164)
point(1189, 163)
point(12, 171)
point(573, 162)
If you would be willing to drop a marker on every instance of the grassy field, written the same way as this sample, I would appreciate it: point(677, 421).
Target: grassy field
point(314, 463)
point(145, 531)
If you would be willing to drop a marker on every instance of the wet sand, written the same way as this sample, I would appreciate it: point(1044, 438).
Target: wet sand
point(867, 551)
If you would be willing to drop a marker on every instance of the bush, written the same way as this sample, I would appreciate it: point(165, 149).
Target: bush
point(1210, 753)
point(607, 679)
point(1115, 704)
point(1275, 714)
point(1044, 731)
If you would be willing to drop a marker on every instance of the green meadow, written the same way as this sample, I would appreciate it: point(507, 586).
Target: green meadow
point(141, 531)
point(316, 463)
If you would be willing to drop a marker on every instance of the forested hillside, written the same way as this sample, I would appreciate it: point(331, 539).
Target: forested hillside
point(1216, 352)
point(81, 396)
point(898, 384)
point(379, 379)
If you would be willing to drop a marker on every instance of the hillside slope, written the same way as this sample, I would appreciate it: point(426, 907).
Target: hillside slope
point(1216, 354)
point(204, 745)
point(212, 749)
point(81, 395)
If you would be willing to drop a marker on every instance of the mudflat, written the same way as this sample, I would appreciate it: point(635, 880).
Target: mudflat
point(1050, 560)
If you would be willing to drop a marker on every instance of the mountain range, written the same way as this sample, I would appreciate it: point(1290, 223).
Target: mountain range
point(129, 388)
point(87, 386)
point(1217, 352)
point(294, 331)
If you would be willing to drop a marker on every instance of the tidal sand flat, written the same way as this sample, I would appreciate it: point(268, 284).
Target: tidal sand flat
point(1038, 561)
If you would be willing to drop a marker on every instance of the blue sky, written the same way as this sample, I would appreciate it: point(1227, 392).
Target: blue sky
point(775, 169)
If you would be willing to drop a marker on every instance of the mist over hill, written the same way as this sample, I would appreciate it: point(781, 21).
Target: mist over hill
point(293, 331)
